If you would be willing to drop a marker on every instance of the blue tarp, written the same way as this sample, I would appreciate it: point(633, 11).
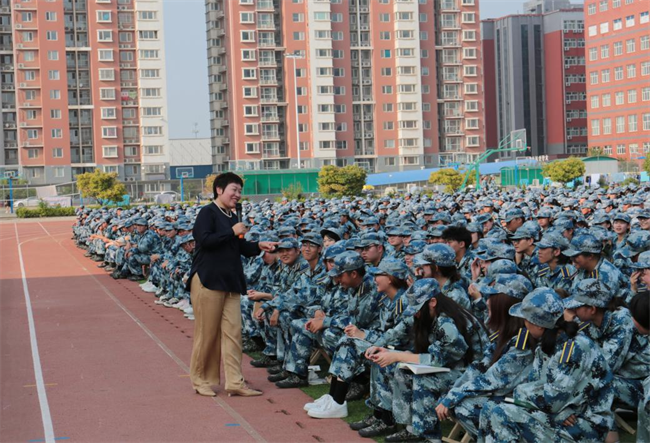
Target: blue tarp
point(421, 175)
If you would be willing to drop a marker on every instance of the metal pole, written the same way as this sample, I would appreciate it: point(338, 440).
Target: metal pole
point(295, 81)
point(182, 193)
point(11, 194)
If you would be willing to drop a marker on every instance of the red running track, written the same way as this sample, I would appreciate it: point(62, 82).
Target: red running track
point(114, 364)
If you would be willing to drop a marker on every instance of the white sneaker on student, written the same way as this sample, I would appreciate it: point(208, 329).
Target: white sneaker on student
point(330, 410)
point(188, 311)
point(320, 401)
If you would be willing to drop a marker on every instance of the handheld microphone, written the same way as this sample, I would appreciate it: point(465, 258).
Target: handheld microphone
point(238, 209)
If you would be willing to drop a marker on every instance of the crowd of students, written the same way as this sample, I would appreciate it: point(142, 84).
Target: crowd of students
point(535, 303)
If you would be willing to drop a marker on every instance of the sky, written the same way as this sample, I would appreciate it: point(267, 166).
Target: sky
point(187, 64)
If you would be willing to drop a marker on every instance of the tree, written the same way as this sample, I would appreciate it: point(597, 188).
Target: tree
point(293, 191)
point(646, 165)
point(564, 171)
point(209, 181)
point(337, 182)
point(450, 178)
point(595, 151)
point(103, 186)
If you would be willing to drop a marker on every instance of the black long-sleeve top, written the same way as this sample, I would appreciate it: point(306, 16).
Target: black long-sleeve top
point(218, 252)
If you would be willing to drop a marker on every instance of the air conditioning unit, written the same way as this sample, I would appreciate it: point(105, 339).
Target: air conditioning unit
point(568, 119)
point(18, 6)
point(19, 46)
point(23, 85)
point(570, 137)
point(129, 179)
point(21, 65)
point(18, 26)
point(568, 83)
point(5, 9)
point(23, 124)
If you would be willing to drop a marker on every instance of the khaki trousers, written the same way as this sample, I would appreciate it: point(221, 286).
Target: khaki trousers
point(217, 327)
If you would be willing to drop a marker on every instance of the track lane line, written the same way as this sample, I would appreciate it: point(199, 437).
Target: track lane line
point(219, 401)
point(48, 428)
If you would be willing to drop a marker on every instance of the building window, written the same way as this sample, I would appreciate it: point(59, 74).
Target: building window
point(109, 151)
point(104, 16)
point(632, 123)
point(595, 127)
point(620, 149)
point(109, 132)
point(104, 35)
point(105, 55)
point(620, 124)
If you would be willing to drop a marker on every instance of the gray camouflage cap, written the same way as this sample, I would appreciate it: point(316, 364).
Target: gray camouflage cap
point(542, 307)
point(498, 250)
point(513, 213)
point(553, 240)
point(438, 253)
point(584, 243)
point(589, 292)
point(516, 286)
point(502, 266)
point(637, 242)
point(346, 261)
point(288, 243)
point(643, 261)
point(419, 293)
point(391, 266)
point(334, 250)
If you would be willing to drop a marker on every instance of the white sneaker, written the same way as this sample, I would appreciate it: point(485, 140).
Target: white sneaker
point(190, 317)
point(171, 302)
point(162, 300)
point(183, 304)
point(330, 410)
point(188, 311)
point(320, 401)
point(149, 287)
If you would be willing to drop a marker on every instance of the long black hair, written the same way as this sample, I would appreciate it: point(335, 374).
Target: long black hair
point(502, 322)
point(462, 318)
point(549, 337)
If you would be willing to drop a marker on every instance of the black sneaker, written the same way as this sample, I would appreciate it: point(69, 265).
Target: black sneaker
point(117, 274)
point(359, 425)
point(265, 362)
point(378, 428)
point(278, 377)
point(403, 435)
point(357, 391)
point(292, 381)
point(134, 278)
point(272, 370)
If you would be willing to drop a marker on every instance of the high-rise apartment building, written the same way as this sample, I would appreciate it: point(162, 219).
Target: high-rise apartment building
point(535, 78)
point(384, 84)
point(618, 76)
point(83, 87)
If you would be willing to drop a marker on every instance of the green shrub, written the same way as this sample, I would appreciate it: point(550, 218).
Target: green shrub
point(56, 211)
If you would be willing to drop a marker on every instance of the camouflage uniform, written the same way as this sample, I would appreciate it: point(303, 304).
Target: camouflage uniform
point(140, 255)
point(574, 380)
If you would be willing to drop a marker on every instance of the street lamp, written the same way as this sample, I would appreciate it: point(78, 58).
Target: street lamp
point(293, 57)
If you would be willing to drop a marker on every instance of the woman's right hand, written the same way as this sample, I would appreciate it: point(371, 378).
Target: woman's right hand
point(239, 229)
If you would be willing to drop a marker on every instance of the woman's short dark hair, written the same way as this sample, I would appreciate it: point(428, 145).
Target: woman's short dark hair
point(223, 180)
point(640, 309)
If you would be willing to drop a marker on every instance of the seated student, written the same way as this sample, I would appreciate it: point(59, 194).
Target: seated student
point(445, 335)
point(612, 328)
point(505, 364)
point(460, 240)
point(438, 261)
point(496, 268)
point(567, 395)
point(640, 310)
point(554, 271)
point(348, 363)
point(640, 279)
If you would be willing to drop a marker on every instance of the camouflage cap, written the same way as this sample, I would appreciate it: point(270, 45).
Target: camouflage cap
point(185, 238)
point(370, 238)
point(513, 213)
point(313, 238)
point(394, 231)
point(474, 227)
point(482, 218)
point(621, 216)
point(644, 214)
point(589, 292)
point(333, 233)
point(391, 266)
point(642, 261)
point(332, 251)
point(419, 293)
point(600, 218)
point(288, 243)
point(523, 232)
point(286, 230)
point(501, 267)
point(346, 261)
point(636, 243)
point(544, 213)
point(513, 285)
point(542, 307)
point(553, 240)
point(437, 253)
point(584, 243)
point(498, 250)
point(443, 217)
point(369, 221)
point(563, 223)
point(140, 221)
point(414, 247)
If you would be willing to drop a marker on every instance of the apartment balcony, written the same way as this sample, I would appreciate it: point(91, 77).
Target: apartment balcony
point(267, 44)
point(451, 61)
point(130, 122)
point(8, 87)
point(32, 144)
point(130, 103)
point(24, 7)
point(269, 100)
point(127, 46)
point(453, 132)
point(76, 159)
point(451, 97)
point(8, 105)
point(453, 113)
point(5, 28)
point(11, 144)
point(122, 26)
point(266, 25)
point(131, 84)
point(271, 118)
point(7, 67)
point(271, 136)
point(263, 5)
point(269, 81)
point(452, 78)
point(9, 48)
point(9, 125)
point(271, 62)
point(132, 140)
point(225, 141)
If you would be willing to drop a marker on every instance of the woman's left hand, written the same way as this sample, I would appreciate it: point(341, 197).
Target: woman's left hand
point(443, 412)
point(385, 358)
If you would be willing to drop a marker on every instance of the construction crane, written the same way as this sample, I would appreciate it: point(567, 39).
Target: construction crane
point(515, 141)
